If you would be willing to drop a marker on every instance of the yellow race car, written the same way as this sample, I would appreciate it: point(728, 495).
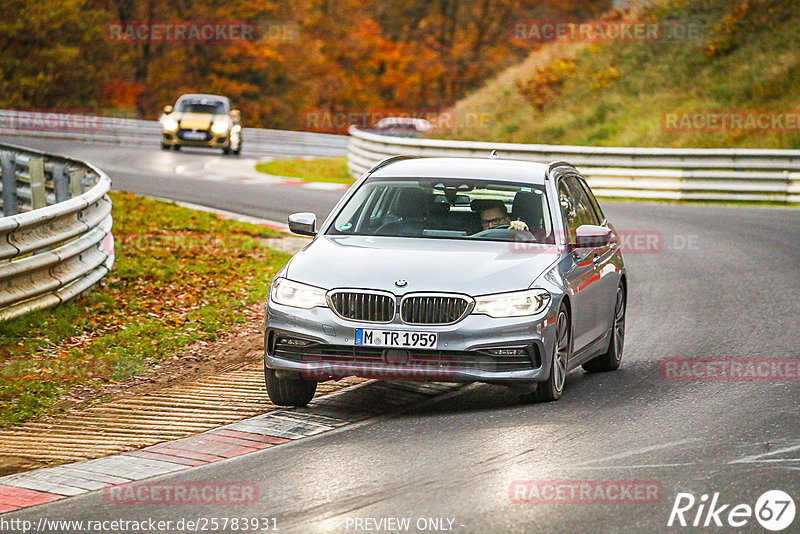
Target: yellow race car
point(202, 121)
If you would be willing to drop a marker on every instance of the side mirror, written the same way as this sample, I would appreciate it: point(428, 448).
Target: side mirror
point(592, 236)
point(303, 224)
point(168, 110)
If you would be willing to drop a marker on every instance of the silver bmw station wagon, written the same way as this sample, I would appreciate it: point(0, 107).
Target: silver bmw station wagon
point(454, 270)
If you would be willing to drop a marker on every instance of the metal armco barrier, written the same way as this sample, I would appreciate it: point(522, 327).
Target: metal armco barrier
point(63, 245)
point(148, 133)
point(656, 173)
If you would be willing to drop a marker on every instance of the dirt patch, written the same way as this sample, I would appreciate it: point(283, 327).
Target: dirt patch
point(243, 347)
point(14, 464)
point(231, 351)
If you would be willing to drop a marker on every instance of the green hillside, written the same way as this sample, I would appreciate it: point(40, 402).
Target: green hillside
point(745, 56)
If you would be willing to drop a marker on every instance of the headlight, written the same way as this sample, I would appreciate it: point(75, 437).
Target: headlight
point(170, 124)
point(516, 304)
point(295, 294)
point(219, 127)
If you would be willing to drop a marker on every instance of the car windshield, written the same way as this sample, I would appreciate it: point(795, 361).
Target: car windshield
point(192, 106)
point(443, 208)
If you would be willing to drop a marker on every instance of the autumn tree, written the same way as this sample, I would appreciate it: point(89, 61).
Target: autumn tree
point(342, 56)
point(52, 55)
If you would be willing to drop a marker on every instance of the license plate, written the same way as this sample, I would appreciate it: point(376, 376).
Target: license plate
point(396, 339)
point(194, 135)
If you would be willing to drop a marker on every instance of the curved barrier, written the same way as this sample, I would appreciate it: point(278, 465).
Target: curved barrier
point(148, 133)
point(54, 252)
point(657, 173)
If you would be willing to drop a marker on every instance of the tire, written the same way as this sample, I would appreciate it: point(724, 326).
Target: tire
point(226, 151)
point(176, 147)
point(551, 389)
point(613, 357)
point(287, 391)
point(164, 147)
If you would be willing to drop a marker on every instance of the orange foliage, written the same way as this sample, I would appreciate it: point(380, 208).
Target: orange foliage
point(347, 55)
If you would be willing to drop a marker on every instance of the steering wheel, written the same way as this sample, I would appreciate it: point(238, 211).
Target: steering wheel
point(507, 232)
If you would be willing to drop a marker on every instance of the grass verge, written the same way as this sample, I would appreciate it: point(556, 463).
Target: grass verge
point(180, 276)
point(739, 57)
point(311, 170)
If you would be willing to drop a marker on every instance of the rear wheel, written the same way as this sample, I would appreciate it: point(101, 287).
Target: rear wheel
point(552, 388)
point(164, 146)
point(611, 359)
point(288, 391)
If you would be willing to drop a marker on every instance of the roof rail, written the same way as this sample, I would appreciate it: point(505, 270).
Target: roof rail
point(390, 160)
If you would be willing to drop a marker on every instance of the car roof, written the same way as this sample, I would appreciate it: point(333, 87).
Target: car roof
point(504, 170)
point(394, 121)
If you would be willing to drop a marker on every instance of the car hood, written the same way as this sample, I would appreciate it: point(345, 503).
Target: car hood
point(471, 267)
point(197, 121)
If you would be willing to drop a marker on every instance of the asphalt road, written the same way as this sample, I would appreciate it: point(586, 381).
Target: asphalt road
point(152, 171)
point(725, 285)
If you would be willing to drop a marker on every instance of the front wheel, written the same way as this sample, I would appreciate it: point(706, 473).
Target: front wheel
point(613, 356)
point(552, 388)
point(288, 391)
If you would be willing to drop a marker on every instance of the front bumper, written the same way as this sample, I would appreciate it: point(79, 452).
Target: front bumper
point(211, 140)
point(320, 345)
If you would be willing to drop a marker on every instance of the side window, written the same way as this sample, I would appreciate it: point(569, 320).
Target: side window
point(596, 205)
point(567, 204)
point(586, 211)
point(576, 207)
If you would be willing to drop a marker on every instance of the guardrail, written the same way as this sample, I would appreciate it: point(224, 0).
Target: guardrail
point(656, 173)
point(63, 245)
point(148, 133)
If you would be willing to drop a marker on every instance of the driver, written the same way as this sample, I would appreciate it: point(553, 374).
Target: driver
point(496, 214)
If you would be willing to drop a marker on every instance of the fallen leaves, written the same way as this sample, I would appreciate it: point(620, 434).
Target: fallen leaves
point(181, 279)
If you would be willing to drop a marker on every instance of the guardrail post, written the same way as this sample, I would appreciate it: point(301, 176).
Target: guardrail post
point(76, 182)
point(38, 193)
point(60, 184)
point(9, 170)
